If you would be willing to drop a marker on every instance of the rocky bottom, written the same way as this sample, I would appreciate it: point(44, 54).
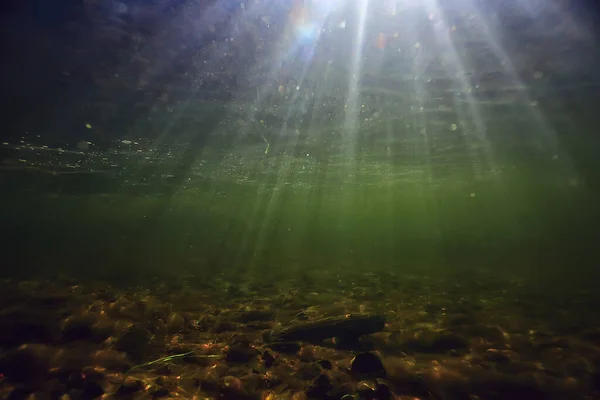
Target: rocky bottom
point(320, 336)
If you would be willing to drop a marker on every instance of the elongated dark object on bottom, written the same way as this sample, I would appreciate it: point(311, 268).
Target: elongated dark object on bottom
point(353, 325)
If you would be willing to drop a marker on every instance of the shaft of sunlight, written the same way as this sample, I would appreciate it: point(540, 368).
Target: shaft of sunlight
point(491, 36)
point(353, 96)
point(305, 23)
point(442, 34)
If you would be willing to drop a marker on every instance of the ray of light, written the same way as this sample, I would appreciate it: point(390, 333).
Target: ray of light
point(305, 25)
point(546, 131)
point(351, 115)
point(353, 94)
point(442, 33)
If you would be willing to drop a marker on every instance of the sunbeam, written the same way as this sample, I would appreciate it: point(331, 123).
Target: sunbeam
point(352, 104)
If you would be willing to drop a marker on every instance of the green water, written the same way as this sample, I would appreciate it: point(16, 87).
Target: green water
point(285, 215)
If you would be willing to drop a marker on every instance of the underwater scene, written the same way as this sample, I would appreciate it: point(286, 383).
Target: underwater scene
point(300, 199)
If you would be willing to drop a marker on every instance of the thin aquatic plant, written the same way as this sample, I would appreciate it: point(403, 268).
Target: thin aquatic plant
point(167, 359)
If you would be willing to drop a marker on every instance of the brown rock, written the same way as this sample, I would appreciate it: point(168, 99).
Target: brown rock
point(70, 359)
point(256, 316)
point(505, 386)
point(232, 384)
point(240, 353)
point(308, 371)
point(501, 356)
point(225, 326)
point(307, 353)
point(19, 326)
point(367, 365)
point(130, 386)
point(76, 328)
point(102, 328)
point(29, 362)
point(175, 323)
point(136, 343)
point(111, 359)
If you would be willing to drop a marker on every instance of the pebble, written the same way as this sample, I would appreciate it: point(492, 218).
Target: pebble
point(319, 388)
point(231, 384)
point(18, 326)
point(159, 393)
point(102, 328)
point(325, 364)
point(365, 390)
point(447, 341)
point(176, 323)
point(77, 328)
point(592, 335)
point(407, 380)
point(20, 393)
point(461, 320)
point(136, 343)
point(70, 359)
point(367, 365)
point(130, 386)
point(372, 390)
point(308, 371)
point(111, 359)
point(240, 353)
point(256, 316)
point(490, 333)
point(307, 353)
point(29, 362)
point(383, 391)
point(285, 347)
point(90, 390)
point(505, 386)
point(268, 359)
point(433, 341)
point(501, 356)
point(225, 326)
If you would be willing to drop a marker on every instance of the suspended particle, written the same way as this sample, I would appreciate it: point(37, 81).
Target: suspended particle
point(572, 182)
point(453, 127)
point(88, 126)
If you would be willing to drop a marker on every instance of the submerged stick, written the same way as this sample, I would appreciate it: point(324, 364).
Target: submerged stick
point(348, 326)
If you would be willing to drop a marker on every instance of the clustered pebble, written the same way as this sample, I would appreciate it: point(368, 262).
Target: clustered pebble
point(464, 336)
